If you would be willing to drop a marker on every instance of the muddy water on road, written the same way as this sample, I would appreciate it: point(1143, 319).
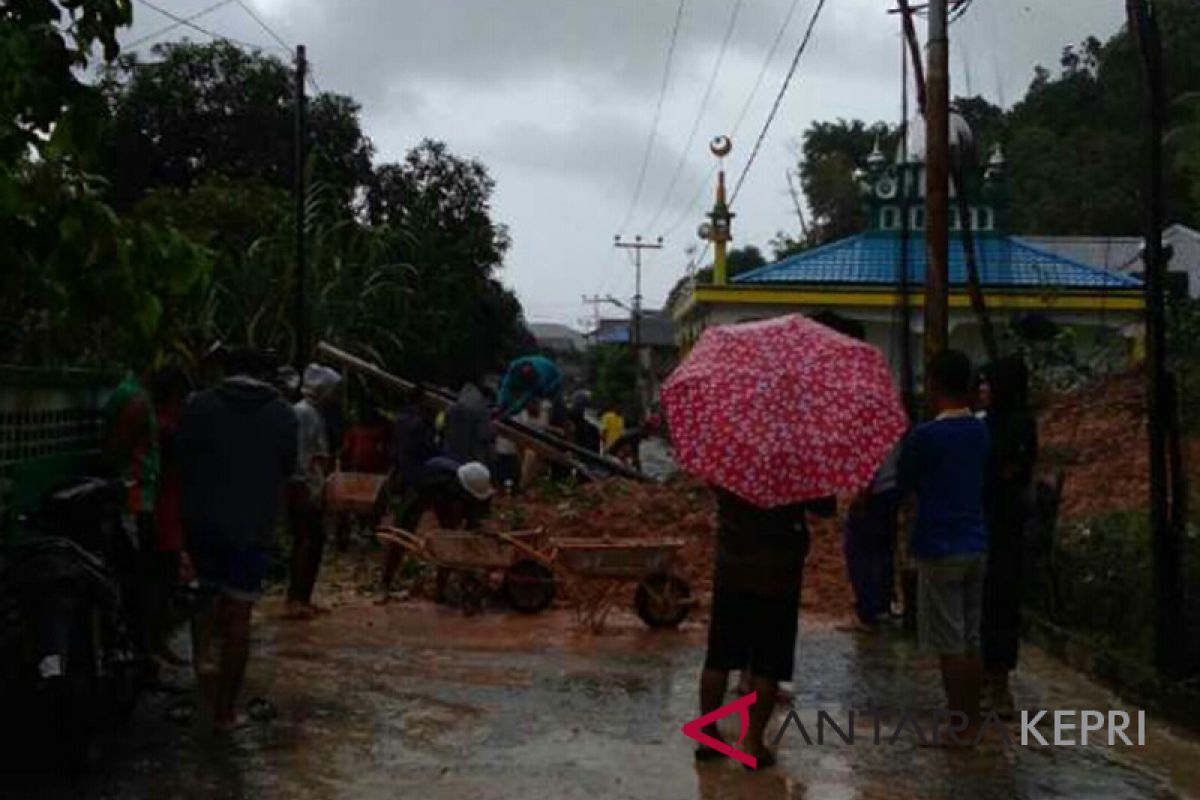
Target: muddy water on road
point(411, 700)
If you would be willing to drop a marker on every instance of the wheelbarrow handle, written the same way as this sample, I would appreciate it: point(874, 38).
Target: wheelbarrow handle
point(522, 548)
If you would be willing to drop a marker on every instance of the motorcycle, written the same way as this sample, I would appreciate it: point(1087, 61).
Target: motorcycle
point(69, 667)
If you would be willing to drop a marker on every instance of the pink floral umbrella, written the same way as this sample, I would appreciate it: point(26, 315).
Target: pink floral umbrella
point(782, 411)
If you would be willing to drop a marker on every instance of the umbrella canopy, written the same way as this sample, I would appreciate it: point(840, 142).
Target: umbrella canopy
point(782, 411)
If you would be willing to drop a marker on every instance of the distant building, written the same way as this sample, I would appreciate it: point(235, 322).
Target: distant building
point(866, 282)
point(1124, 254)
point(658, 344)
point(555, 338)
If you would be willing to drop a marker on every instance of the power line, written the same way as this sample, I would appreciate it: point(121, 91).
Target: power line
point(187, 23)
point(168, 28)
point(662, 93)
point(283, 44)
point(960, 10)
point(270, 32)
point(812, 24)
point(695, 198)
point(762, 73)
point(712, 81)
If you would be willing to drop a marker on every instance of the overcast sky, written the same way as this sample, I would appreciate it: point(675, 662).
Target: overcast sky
point(557, 97)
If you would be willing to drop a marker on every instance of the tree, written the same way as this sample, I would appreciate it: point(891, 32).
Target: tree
point(43, 47)
point(465, 321)
point(831, 151)
point(80, 283)
point(203, 110)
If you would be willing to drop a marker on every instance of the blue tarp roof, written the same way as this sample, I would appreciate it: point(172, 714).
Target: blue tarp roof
point(872, 259)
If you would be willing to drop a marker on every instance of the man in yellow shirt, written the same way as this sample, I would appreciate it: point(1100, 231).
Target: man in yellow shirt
point(612, 425)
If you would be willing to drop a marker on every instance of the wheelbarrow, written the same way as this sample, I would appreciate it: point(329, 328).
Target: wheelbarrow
point(594, 571)
point(529, 584)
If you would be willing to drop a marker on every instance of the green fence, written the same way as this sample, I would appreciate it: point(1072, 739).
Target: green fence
point(49, 431)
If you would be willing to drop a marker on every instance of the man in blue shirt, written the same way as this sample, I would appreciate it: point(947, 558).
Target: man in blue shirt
point(943, 463)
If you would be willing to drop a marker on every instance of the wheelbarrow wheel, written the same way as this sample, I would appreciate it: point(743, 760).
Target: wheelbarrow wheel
point(663, 600)
point(529, 586)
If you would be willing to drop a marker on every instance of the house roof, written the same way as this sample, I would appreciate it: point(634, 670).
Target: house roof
point(872, 259)
point(657, 330)
point(555, 336)
point(1113, 253)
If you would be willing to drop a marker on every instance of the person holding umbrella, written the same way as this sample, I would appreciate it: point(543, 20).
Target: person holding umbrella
point(777, 416)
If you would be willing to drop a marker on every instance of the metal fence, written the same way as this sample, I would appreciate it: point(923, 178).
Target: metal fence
point(48, 419)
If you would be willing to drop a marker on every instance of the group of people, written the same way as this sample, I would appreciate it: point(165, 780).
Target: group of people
point(210, 469)
point(963, 481)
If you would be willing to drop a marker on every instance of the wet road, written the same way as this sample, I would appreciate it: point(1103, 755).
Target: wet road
point(411, 700)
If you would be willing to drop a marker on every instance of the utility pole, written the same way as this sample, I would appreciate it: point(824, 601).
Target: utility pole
point(1167, 552)
point(635, 333)
point(937, 189)
point(301, 136)
point(594, 301)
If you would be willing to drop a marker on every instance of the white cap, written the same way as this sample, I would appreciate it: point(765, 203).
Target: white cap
point(320, 382)
point(476, 479)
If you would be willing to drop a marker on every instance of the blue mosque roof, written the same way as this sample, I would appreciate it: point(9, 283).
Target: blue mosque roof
point(873, 259)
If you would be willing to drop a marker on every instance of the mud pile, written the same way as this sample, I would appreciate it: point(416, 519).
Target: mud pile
point(1097, 437)
point(681, 509)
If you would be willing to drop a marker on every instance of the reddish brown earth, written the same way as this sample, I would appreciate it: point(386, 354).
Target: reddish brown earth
point(1097, 436)
point(682, 509)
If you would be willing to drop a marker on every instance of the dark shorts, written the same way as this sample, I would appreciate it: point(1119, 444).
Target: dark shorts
point(236, 572)
point(755, 632)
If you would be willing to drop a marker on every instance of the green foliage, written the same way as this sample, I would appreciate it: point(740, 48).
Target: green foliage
point(831, 152)
point(737, 261)
point(80, 283)
point(613, 374)
point(196, 153)
point(43, 46)
point(1073, 143)
point(198, 111)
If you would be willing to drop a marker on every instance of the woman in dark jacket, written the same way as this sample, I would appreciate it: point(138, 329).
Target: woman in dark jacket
point(1014, 441)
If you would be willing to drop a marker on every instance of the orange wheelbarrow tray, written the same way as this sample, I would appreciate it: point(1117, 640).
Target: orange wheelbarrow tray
point(529, 583)
point(663, 598)
point(355, 492)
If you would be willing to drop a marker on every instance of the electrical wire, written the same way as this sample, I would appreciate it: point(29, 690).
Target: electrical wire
point(141, 40)
point(186, 23)
point(690, 207)
point(662, 93)
point(960, 10)
point(712, 81)
point(283, 44)
point(812, 24)
point(270, 32)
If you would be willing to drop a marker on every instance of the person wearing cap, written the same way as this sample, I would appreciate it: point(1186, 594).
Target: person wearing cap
point(306, 499)
point(527, 379)
point(458, 494)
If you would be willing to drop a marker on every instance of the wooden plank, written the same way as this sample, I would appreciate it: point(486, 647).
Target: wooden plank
point(554, 448)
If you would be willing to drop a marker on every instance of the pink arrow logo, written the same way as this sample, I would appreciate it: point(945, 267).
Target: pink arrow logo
point(694, 729)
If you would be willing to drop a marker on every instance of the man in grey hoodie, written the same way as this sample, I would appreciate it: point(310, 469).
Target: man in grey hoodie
point(468, 434)
point(236, 447)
